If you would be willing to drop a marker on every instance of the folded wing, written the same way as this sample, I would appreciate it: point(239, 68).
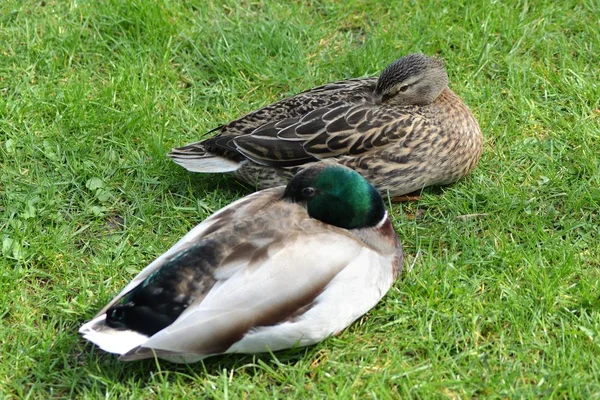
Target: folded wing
point(272, 287)
point(338, 129)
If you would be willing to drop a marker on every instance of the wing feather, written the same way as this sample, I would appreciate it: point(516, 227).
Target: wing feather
point(247, 205)
point(290, 277)
point(339, 129)
point(276, 117)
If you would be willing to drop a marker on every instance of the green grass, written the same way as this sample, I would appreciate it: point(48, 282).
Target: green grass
point(94, 93)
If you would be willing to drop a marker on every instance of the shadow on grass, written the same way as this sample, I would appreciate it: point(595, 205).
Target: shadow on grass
point(224, 184)
point(100, 367)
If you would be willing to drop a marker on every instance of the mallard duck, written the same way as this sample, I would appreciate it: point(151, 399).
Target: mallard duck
point(283, 267)
point(402, 131)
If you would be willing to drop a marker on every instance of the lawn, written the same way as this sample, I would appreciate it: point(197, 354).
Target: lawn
point(499, 295)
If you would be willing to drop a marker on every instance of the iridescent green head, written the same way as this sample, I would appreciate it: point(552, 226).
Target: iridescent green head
point(337, 196)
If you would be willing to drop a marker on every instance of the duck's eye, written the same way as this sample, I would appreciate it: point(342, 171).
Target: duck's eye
point(404, 88)
point(308, 192)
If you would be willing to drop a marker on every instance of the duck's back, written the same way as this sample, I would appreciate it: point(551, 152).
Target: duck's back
point(350, 91)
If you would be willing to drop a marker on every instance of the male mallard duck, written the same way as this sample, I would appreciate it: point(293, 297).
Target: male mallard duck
point(403, 132)
point(282, 267)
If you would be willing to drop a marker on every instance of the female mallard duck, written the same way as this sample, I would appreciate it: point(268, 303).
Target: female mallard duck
point(282, 267)
point(403, 132)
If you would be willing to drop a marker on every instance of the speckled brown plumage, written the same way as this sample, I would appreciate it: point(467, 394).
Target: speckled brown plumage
point(403, 131)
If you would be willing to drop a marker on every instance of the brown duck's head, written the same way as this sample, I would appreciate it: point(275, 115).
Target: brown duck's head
point(414, 79)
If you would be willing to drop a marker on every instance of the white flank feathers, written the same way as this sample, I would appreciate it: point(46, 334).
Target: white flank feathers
point(350, 294)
